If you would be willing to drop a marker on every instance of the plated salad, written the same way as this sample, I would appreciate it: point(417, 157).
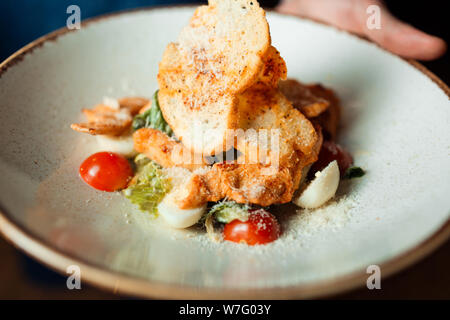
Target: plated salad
point(225, 137)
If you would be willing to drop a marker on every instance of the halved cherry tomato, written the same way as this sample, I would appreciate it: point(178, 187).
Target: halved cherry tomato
point(331, 151)
point(106, 171)
point(261, 227)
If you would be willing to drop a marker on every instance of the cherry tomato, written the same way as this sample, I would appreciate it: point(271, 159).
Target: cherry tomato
point(329, 152)
point(106, 171)
point(261, 227)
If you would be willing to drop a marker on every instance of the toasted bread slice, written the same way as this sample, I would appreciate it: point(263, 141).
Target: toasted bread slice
point(268, 111)
point(218, 55)
point(274, 69)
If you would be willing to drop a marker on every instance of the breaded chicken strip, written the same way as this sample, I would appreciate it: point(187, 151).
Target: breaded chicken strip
point(165, 151)
point(245, 183)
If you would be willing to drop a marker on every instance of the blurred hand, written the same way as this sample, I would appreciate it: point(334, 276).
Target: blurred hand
point(394, 35)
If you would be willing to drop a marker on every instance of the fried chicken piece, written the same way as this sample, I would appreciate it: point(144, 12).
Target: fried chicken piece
point(165, 151)
point(106, 120)
point(246, 183)
point(328, 120)
point(134, 104)
point(317, 103)
point(243, 183)
point(303, 98)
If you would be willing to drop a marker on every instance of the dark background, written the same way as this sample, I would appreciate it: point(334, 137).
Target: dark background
point(22, 21)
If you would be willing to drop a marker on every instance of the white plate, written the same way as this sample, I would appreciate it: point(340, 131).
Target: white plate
point(395, 121)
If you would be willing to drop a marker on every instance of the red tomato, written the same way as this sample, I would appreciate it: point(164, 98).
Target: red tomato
point(106, 171)
point(332, 151)
point(261, 227)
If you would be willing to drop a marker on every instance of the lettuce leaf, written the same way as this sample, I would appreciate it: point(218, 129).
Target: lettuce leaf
point(354, 172)
point(227, 211)
point(152, 118)
point(149, 186)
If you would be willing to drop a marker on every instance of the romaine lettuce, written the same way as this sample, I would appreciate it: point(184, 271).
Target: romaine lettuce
point(227, 211)
point(149, 186)
point(152, 118)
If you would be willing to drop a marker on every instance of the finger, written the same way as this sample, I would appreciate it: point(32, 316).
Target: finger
point(344, 14)
point(351, 15)
point(405, 40)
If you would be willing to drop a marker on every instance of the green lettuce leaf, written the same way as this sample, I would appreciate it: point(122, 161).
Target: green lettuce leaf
point(227, 211)
point(149, 187)
point(354, 172)
point(152, 118)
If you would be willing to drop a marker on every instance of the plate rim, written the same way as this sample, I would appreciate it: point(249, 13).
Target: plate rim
point(119, 282)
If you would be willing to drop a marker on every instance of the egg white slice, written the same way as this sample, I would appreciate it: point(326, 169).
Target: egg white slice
point(122, 145)
point(321, 189)
point(176, 217)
